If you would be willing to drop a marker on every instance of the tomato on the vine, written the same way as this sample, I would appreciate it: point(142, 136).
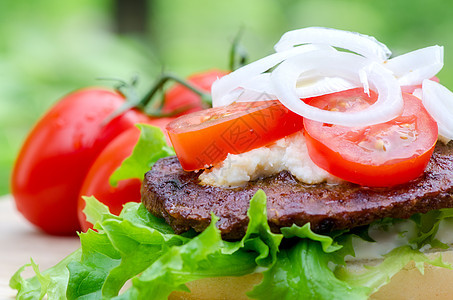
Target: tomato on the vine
point(385, 154)
point(61, 148)
point(58, 152)
point(206, 137)
point(181, 97)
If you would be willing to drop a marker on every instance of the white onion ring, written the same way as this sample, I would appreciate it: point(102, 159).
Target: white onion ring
point(318, 86)
point(222, 87)
point(438, 101)
point(413, 67)
point(322, 70)
point(260, 88)
point(359, 43)
point(346, 65)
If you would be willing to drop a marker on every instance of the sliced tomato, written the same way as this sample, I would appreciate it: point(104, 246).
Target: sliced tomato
point(381, 155)
point(206, 137)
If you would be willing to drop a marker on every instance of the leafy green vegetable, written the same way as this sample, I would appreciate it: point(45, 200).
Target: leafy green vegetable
point(138, 246)
point(302, 272)
point(138, 243)
point(428, 225)
point(52, 282)
point(150, 147)
point(258, 236)
point(327, 242)
point(207, 255)
point(376, 276)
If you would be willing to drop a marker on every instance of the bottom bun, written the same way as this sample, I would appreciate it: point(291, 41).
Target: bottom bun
point(219, 288)
point(409, 283)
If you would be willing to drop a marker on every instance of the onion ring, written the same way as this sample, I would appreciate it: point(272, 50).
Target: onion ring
point(228, 83)
point(413, 67)
point(260, 88)
point(359, 43)
point(438, 101)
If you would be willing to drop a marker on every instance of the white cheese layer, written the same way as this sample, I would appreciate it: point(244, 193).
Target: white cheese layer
point(289, 153)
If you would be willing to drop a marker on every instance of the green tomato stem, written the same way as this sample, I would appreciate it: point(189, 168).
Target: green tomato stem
point(162, 80)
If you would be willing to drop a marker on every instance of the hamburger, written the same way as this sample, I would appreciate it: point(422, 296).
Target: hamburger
point(216, 227)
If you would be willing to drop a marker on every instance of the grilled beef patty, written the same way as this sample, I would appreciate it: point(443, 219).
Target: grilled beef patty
point(174, 194)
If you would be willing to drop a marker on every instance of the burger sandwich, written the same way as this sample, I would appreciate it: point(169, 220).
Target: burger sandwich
point(323, 171)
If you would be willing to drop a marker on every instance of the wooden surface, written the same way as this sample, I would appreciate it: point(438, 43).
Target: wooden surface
point(20, 241)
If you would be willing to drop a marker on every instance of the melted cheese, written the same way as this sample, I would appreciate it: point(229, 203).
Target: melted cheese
point(289, 153)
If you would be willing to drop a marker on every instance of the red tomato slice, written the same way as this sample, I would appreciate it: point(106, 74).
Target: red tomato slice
point(380, 155)
point(206, 137)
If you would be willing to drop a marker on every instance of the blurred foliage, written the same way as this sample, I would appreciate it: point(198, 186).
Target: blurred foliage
point(49, 47)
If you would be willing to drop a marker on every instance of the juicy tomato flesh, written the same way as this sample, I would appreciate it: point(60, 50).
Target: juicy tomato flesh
point(380, 155)
point(204, 138)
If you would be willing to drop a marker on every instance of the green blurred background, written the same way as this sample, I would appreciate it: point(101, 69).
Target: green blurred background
point(51, 47)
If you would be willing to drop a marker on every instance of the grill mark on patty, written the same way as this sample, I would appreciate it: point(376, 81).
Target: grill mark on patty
point(174, 194)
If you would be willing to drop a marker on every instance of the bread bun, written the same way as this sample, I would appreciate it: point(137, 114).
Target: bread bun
point(219, 288)
point(409, 283)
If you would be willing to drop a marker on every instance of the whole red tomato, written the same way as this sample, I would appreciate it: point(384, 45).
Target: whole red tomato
point(58, 153)
point(179, 96)
point(96, 182)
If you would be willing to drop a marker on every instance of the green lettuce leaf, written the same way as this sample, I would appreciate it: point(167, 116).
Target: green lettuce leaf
point(138, 243)
point(207, 255)
point(88, 274)
point(142, 249)
point(258, 236)
point(376, 276)
point(428, 225)
point(328, 244)
point(123, 247)
point(150, 147)
point(52, 282)
point(302, 272)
